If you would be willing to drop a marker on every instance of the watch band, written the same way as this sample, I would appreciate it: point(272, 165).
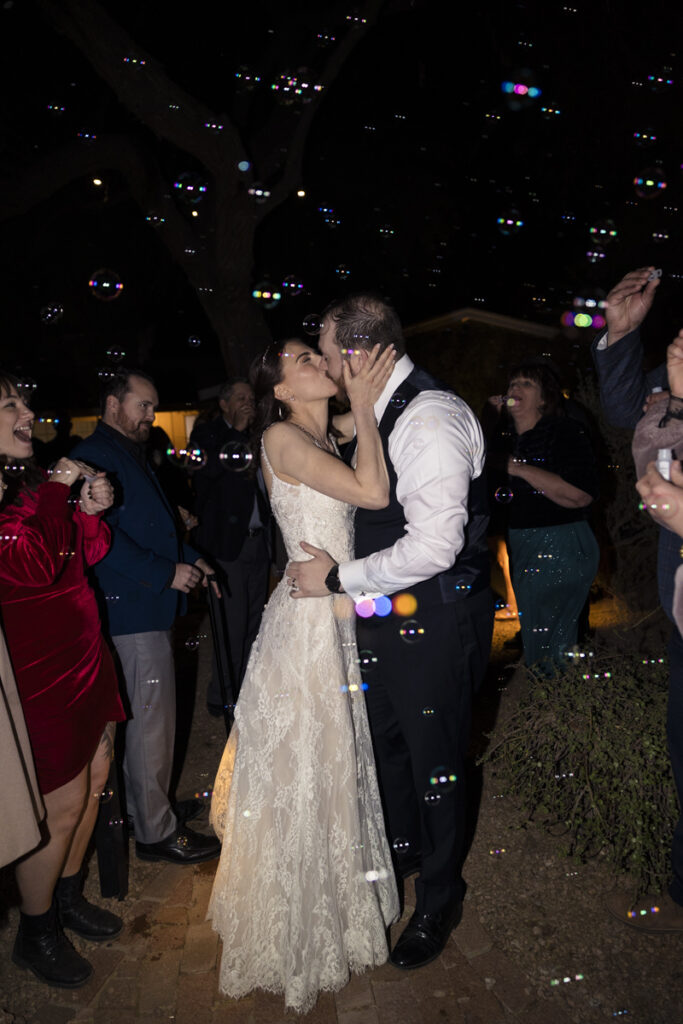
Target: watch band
point(332, 581)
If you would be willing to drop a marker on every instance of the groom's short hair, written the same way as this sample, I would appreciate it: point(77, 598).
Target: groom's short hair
point(363, 320)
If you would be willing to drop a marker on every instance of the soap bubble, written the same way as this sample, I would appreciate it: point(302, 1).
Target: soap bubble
point(190, 459)
point(404, 604)
point(398, 401)
point(442, 780)
point(645, 139)
point(292, 286)
point(510, 222)
point(105, 796)
point(26, 386)
point(329, 216)
point(190, 187)
point(504, 495)
point(266, 295)
point(13, 468)
point(105, 372)
point(387, 231)
point(246, 79)
point(193, 341)
point(155, 219)
point(236, 456)
point(411, 632)
point(312, 323)
point(342, 272)
point(258, 192)
point(298, 87)
point(325, 39)
point(660, 236)
point(604, 231)
point(105, 284)
point(661, 79)
point(51, 313)
point(401, 845)
point(520, 89)
point(427, 712)
point(115, 354)
point(432, 797)
point(649, 183)
point(367, 661)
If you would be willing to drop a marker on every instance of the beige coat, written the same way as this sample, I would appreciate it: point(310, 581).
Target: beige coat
point(21, 805)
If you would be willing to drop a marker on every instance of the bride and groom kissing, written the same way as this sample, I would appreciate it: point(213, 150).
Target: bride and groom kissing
point(332, 751)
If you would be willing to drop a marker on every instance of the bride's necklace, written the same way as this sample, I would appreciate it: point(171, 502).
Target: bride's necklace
point(322, 444)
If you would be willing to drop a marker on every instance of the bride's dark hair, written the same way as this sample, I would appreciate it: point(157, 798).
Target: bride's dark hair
point(269, 409)
point(27, 477)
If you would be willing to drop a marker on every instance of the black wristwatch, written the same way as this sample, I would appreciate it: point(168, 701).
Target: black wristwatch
point(332, 581)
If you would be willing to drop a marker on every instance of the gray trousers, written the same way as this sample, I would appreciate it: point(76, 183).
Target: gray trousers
point(149, 673)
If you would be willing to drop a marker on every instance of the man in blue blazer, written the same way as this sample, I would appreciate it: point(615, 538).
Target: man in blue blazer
point(143, 580)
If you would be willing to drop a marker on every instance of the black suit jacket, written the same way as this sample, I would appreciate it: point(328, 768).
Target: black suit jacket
point(224, 496)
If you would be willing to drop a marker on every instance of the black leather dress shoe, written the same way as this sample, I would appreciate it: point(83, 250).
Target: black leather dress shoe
point(184, 810)
point(182, 847)
point(424, 937)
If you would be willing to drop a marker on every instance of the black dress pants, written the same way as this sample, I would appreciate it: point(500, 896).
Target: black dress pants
point(421, 675)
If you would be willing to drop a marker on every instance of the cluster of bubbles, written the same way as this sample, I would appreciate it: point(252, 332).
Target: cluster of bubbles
point(296, 87)
point(190, 459)
point(52, 313)
point(329, 216)
point(105, 284)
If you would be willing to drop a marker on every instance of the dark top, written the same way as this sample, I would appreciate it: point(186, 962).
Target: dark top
point(558, 444)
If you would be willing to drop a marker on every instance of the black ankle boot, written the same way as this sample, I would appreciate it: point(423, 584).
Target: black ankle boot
point(42, 947)
point(87, 920)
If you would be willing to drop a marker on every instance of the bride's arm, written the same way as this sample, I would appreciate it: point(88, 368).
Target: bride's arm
point(296, 459)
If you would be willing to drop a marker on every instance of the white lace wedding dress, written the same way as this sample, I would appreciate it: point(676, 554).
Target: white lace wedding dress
point(304, 887)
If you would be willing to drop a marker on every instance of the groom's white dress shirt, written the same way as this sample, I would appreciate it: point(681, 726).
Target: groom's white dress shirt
point(436, 448)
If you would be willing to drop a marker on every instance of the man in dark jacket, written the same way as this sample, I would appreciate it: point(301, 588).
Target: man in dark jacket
point(233, 525)
point(143, 580)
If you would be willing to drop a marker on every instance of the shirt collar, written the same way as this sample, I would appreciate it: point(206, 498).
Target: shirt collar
point(403, 368)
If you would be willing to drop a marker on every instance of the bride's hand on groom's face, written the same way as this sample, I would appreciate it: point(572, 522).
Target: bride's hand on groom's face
point(307, 579)
point(366, 373)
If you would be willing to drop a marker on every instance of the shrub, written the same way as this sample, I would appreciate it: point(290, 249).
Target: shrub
point(585, 755)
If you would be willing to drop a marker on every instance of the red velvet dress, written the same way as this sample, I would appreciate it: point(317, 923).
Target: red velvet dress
point(65, 673)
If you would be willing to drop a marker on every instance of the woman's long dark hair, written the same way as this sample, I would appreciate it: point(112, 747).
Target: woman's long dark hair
point(269, 409)
point(547, 379)
point(24, 477)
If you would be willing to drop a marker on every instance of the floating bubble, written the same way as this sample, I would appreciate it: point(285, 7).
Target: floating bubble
point(56, 108)
point(661, 80)
point(383, 606)
point(342, 272)
point(115, 354)
point(504, 495)
point(387, 231)
point(660, 236)
point(51, 313)
point(367, 661)
point(292, 286)
point(398, 401)
point(427, 712)
point(190, 187)
point(510, 222)
point(133, 61)
point(246, 80)
point(186, 458)
point(604, 231)
point(296, 87)
point(432, 797)
point(155, 219)
point(266, 294)
point(105, 796)
point(520, 89)
point(192, 643)
point(550, 111)
point(649, 183)
point(258, 192)
point(26, 386)
point(365, 609)
point(411, 632)
point(193, 341)
point(13, 468)
point(644, 139)
point(105, 284)
point(243, 166)
point(442, 780)
point(404, 605)
point(596, 254)
point(236, 456)
point(312, 323)
point(496, 851)
point(325, 39)
point(105, 372)
point(400, 845)
point(85, 135)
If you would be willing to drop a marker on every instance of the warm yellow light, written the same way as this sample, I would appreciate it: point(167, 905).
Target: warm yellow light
point(97, 181)
point(301, 193)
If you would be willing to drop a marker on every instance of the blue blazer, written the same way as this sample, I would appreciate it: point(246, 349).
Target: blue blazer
point(133, 577)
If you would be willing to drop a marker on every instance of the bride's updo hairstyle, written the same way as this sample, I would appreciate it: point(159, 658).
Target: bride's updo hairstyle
point(269, 409)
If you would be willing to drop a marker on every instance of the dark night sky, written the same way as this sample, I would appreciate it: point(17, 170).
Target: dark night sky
point(415, 148)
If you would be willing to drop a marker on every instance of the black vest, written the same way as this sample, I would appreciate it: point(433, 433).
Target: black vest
point(381, 528)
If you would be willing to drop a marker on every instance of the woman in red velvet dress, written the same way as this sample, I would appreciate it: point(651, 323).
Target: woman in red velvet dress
point(66, 682)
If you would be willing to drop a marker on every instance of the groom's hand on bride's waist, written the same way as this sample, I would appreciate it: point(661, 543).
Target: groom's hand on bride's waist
point(307, 579)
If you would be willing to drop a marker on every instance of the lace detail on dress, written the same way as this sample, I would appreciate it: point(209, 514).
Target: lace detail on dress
point(305, 887)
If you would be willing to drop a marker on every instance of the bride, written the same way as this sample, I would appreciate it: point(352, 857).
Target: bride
point(305, 889)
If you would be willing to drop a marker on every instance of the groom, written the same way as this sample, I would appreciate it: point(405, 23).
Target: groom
point(426, 652)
